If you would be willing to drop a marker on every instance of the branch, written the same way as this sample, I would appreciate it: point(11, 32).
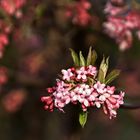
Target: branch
point(130, 106)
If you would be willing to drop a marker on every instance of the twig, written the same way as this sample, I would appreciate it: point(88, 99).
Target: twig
point(130, 106)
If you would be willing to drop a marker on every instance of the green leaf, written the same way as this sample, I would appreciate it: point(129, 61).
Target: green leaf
point(82, 59)
point(101, 76)
point(103, 70)
point(89, 56)
point(74, 57)
point(92, 56)
point(112, 76)
point(83, 118)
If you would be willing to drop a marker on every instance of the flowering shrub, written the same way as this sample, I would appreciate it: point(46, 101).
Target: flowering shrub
point(122, 22)
point(84, 84)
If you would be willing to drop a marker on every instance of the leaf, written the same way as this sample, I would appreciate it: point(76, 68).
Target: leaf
point(83, 118)
point(92, 56)
point(103, 70)
point(74, 57)
point(112, 75)
point(101, 76)
point(89, 56)
point(82, 59)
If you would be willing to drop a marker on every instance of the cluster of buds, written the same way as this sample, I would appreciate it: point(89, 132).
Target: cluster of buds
point(121, 23)
point(79, 12)
point(12, 7)
point(86, 86)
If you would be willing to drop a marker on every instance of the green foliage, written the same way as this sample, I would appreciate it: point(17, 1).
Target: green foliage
point(92, 56)
point(82, 59)
point(112, 76)
point(83, 118)
point(74, 57)
point(103, 70)
point(101, 76)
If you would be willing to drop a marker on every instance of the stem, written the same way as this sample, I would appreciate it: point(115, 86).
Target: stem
point(130, 106)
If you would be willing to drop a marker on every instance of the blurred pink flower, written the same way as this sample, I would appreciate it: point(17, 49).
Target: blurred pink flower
point(120, 24)
point(12, 7)
point(14, 100)
point(79, 12)
point(3, 42)
point(3, 75)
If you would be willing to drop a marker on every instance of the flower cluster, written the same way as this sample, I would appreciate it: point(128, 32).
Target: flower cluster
point(121, 22)
point(13, 100)
point(80, 86)
point(78, 11)
point(12, 7)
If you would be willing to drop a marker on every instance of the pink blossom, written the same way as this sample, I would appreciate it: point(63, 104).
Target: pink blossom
point(67, 74)
point(120, 26)
point(112, 10)
point(12, 6)
point(49, 102)
point(3, 41)
point(91, 70)
point(112, 103)
point(13, 101)
point(79, 91)
point(79, 12)
point(100, 87)
point(81, 74)
point(3, 75)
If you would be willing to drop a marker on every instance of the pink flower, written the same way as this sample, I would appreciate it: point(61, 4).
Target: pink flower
point(67, 74)
point(13, 101)
point(112, 103)
point(100, 87)
point(79, 12)
point(3, 42)
point(49, 102)
point(120, 25)
point(91, 70)
point(3, 75)
point(81, 74)
point(112, 10)
point(12, 6)
point(79, 91)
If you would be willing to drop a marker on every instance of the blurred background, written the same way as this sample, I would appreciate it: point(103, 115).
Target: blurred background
point(35, 37)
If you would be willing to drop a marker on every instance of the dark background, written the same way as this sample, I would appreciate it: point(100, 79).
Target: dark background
point(38, 50)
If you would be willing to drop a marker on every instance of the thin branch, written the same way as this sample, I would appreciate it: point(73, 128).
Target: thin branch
point(130, 106)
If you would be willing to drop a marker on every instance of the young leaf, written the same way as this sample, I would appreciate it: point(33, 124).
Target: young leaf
point(101, 76)
point(74, 57)
point(89, 57)
point(112, 75)
point(82, 59)
point(92, 56)
point(83, 118)
point(103, 70)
